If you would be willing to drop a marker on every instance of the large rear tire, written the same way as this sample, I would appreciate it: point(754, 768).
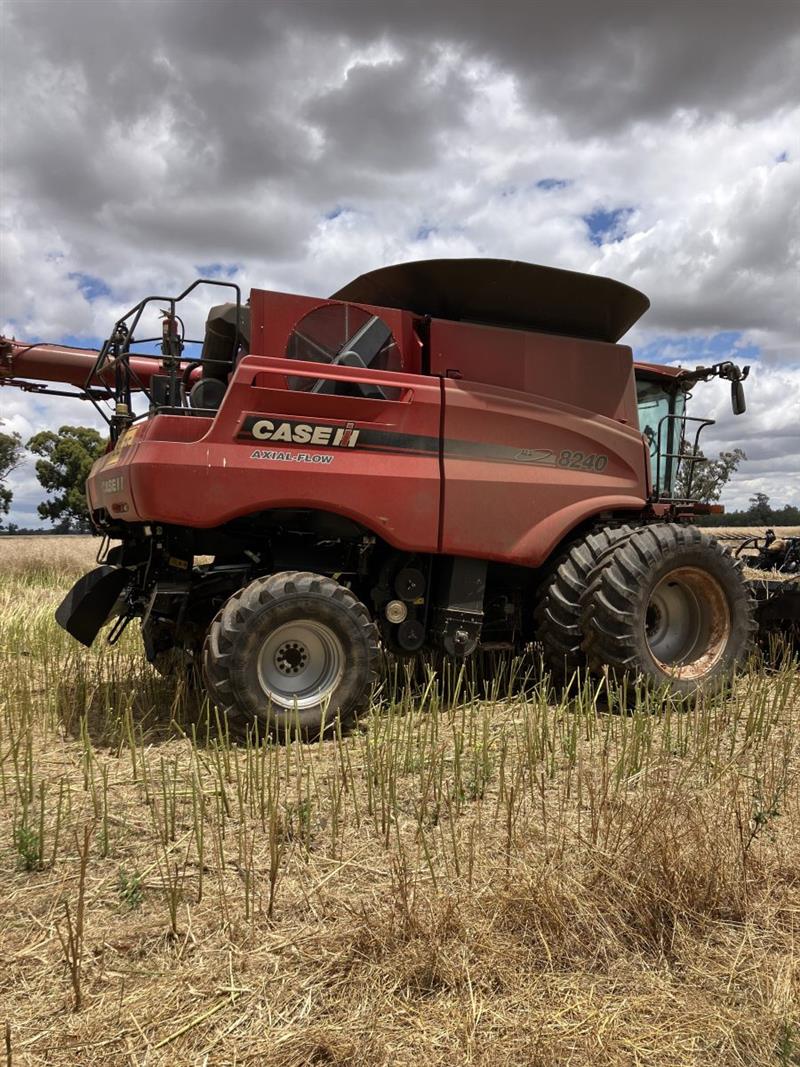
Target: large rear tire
point(294, 652)
point(669, 607)
point(558, 606)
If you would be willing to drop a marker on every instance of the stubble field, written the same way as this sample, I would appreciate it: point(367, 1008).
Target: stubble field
point(480, 874)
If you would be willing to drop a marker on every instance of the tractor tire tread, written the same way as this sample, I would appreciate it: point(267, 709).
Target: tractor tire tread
point(557, 612)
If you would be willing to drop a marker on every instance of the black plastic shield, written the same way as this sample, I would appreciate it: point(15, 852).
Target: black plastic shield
point(90, 602)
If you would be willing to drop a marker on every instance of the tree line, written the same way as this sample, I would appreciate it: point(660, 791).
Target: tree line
point(65, 459)
point(703, 479)
point(760, 512)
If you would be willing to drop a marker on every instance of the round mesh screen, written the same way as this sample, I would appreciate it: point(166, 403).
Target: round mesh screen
point(343, 335)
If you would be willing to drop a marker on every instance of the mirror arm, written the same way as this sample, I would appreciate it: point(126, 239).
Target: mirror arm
point(728, 371)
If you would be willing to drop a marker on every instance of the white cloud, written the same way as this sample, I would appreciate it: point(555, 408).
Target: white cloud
point(769, 433)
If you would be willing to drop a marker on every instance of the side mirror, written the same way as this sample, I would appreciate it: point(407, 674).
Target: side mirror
point(738, 402)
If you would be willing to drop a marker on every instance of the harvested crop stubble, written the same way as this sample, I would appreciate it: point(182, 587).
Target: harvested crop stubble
point(743, 532)
point(485, 878)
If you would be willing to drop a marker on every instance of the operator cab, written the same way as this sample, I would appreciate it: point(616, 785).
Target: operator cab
point(661, 402)
point(673, 436)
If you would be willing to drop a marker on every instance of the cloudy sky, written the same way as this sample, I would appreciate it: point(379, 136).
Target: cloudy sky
point(293, 145)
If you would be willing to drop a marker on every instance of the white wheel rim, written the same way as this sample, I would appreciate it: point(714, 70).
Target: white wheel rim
point(300, 664)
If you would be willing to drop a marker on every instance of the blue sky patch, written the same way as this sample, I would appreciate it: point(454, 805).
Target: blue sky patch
point(607, 227)
point(216, 270)
point(424, 232)
point(91, 287)
point(75, 340)
point(552, 183)
point(690, 351)
point(72, 340)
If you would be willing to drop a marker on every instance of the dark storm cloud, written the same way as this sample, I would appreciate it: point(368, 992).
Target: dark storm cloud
point(246, 93)
point(389, 116)
point(600, 65)
point(131, 67)
point(212, 128)
point(132, 119)
point(267, 227)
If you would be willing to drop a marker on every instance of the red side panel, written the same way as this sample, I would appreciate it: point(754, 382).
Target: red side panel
point(372, 460)
point(540, 434)
point(521, 472)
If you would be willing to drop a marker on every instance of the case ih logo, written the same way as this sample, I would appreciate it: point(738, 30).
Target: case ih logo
point(299, 433)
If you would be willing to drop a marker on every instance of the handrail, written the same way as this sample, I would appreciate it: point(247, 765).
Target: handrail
point(669, 455)
point(116, 352)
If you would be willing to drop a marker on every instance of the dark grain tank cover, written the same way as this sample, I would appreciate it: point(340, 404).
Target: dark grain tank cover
point(504, 292)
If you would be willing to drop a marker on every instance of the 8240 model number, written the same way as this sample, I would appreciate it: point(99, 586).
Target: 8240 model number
point(582, 461)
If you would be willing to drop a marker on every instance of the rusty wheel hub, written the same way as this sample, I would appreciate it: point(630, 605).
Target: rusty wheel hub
point(687, 622)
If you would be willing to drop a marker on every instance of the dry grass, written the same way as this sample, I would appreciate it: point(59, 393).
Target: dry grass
point(492, 878)
point(753, 531)
point(47, 558)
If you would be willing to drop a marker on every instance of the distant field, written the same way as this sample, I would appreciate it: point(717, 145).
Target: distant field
point(485, 873)
point(52, 555)
point(753, 531)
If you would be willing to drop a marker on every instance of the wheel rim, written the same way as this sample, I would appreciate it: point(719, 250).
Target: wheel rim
point(687, 622)
point(300, 664)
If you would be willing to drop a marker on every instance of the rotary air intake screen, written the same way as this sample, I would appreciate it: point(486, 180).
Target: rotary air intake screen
point(348, 336)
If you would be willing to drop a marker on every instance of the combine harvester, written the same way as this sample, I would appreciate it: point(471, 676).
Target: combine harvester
point(451, 454)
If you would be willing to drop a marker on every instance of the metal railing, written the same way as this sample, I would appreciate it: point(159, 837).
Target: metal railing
point(669, 459)
point(116, 351)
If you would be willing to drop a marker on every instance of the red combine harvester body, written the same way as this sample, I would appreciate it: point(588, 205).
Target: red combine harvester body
point(454, 454)
point(427, 460)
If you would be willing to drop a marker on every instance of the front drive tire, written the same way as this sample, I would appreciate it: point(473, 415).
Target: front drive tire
point(294, 652)
point(670, 608)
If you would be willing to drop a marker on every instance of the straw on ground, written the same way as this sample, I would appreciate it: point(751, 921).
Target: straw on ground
point(484, 873)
